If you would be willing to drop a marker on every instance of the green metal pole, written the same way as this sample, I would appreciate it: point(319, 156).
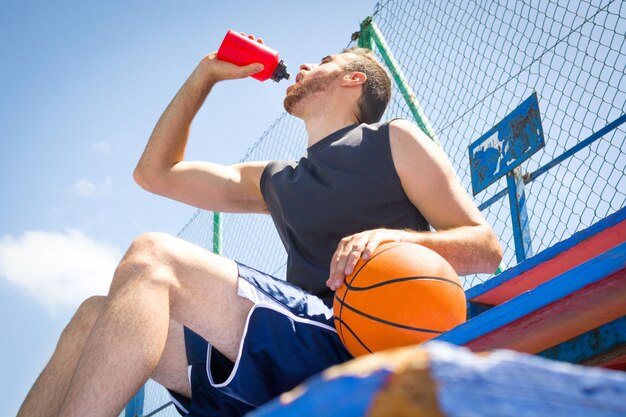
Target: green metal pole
point(365, 37)
point(375, 35)
point(217, 232)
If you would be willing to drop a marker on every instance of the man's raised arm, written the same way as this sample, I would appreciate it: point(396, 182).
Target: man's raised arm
point(162, 169)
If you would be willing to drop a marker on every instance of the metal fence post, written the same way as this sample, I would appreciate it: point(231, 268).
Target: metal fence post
point(134, 408)
point(217, 232)
point(365, 37)
point(370, 32)
point(519, 215)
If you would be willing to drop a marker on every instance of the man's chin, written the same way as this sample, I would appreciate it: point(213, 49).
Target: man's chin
point(291, 107)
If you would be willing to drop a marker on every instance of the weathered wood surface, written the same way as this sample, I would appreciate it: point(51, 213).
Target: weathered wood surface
point(581, 299)
point(438, 379)
point(553, 261)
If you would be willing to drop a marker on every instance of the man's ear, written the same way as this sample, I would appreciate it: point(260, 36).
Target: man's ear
point(353, 79)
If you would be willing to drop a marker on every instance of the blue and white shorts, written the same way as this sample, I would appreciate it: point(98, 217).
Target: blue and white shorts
point(288, 336)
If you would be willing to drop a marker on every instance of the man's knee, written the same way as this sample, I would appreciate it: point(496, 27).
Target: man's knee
point(152, 245)
point(150, 257)
point(91, 305)
point(85, 316)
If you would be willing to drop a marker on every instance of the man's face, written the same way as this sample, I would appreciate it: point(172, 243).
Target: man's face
point(312, 79)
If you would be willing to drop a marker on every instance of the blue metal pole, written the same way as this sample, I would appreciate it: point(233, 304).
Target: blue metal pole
point(519, 215)
point(135, 407)
point(581, 145)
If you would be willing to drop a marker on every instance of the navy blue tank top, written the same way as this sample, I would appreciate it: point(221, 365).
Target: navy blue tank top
point(346, 184)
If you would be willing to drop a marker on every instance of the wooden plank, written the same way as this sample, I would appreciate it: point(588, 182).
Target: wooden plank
point(574, 302)
point(506, 383)
point(617, 362)
point(441, 380)
point(348, 390)
point(595, 347)
point(570, 316)
point(563, 256)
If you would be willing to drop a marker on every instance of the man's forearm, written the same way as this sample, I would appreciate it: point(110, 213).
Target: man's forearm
point(168, 141)
point(469, 249)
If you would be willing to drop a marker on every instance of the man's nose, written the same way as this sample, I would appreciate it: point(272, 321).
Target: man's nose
point(306, 67)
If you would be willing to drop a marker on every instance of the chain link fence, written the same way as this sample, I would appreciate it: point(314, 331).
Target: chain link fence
point(471, 63)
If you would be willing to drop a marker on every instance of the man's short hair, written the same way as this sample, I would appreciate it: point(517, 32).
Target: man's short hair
point(376, 90)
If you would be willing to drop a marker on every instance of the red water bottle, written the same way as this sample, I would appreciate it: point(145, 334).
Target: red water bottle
point(241, 50)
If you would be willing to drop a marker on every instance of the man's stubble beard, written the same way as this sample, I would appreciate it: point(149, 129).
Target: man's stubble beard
point(306, 87)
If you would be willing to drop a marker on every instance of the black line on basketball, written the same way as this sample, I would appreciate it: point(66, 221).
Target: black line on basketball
point(343, 323)
point(345, 293)
point(393, 281)
point(402, 326)
point(340, 332)
point(375, 255)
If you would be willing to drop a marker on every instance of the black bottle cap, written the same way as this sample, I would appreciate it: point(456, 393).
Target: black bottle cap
point(280, 72)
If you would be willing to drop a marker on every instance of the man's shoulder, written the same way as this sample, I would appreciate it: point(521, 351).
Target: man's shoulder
point(399, 126)
point(412, 148)
point(408, 133)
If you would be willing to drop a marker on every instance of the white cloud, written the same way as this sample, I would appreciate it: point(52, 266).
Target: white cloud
point(59, 270)
point(84, 187)
point(101, 148)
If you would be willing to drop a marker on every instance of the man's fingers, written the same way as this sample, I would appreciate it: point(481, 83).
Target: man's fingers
point(338, 264)
point(353, 259)
point(251, 69)
point(333, 267)
point(370, 248)
point(341, 267)
point(351, 249)
point(224, 70)
point(347, 261)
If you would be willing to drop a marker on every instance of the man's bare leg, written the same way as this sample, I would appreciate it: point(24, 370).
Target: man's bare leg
point(159, 276)
point(47, 394)
point(171, 372)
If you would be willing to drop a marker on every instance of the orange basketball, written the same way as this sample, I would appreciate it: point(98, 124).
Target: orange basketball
point(404, 294)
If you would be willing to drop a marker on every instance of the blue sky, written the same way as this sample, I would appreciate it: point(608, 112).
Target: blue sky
point(82, 85)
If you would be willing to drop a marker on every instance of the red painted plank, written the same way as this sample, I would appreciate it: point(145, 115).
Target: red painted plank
point(618, 364)
point(565, 261)
point(592, 306)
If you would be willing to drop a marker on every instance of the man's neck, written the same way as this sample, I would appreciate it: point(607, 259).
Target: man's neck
point(320, 127)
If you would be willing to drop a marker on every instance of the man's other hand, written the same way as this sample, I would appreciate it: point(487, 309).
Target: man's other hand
point(351, 248)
